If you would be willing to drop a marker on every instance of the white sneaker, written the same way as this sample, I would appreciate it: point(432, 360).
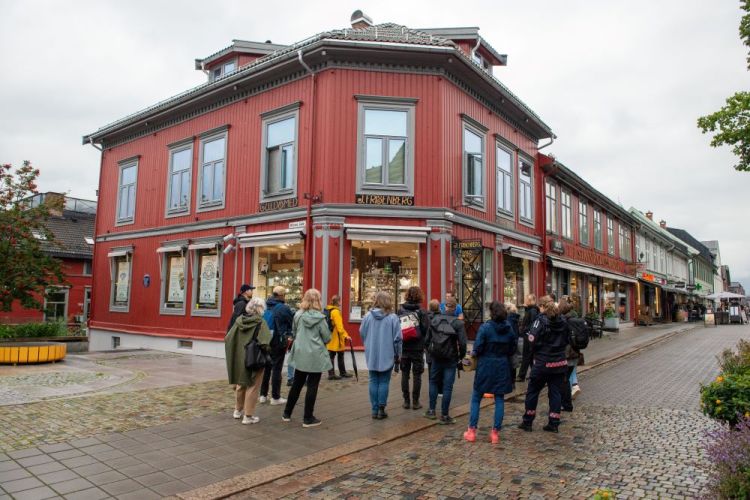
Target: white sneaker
point(250, 420)
point(237, 414)
point(576, 390)
point(262, 399)
point(280, 401)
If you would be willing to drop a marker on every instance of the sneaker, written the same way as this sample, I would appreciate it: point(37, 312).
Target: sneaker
point(286, 418)
point(381, 413)
point(406, 405)
point(250, 420)
point(430, 414)
point(525, 426)
point(313, 422)
point(495, 436)
point(447, 420)
point(550, 428)
point(276, 402)
point(237, 414)
point(575, 391)
point(415, 405)
point(346, 375)
point(263, 400)
point(471, 434)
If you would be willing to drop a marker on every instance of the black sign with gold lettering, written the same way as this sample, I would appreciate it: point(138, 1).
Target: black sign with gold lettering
point(270, 206)
point(385, 199)
point(467, 244)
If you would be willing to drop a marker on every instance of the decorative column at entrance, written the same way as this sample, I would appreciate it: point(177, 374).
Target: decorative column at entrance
point(438, 259)
point(328, 256)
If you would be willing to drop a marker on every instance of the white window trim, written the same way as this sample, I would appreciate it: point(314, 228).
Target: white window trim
point(583, 206)
point(91, 267)
point(176, 212)
point(269, 118)
point(130, 162)
point(212, 205)
point(528, 221)
point(500, 173)
point(59, 289)
point(477, 202)
point(569, 194)
point(388, 104)
point(610, 237)
point(600, 245)
point(164, 256)
point(113, 277)
point(194, 280)
point(553, 188)
point(223, 65)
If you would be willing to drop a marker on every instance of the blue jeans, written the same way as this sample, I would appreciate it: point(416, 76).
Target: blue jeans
point(445, 371)
point(289, 372)
point(574, 377)
point(379, 383)
point(476, 399)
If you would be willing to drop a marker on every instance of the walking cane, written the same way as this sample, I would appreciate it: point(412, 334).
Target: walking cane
point(354, 360)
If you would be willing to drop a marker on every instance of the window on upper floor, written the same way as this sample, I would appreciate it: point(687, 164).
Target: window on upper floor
point(279, 161)
point(583, 222)
point(212, 171)
point(473, 165)
point(87, 268)
point(654, 256)
point(566, 215)
point(624, 235)
point(223, 69)
point(385, 145)
point(525, 191)
point(504, 160)
point(597, 229)
point(127, 182)
point(550, 194)
point(610, 236)
point(179, 182)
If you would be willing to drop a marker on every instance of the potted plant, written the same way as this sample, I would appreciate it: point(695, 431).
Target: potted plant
point(611, 319)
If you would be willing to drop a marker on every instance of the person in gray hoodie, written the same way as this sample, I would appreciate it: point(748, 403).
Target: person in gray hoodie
point(381, 333)
point(309, 356)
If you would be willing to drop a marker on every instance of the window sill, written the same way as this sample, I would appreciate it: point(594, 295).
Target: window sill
point(207, 207)
point(280, 195)
point(178, 213)
point(125, 222)
point(526, 222)
point(119, 309)
point(206, 313)
point(380, 189)
point(172, 312)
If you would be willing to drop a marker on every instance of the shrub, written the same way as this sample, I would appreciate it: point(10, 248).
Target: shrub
point(604, 494)
point(736, 362)
point(728, 449)
point(33, 330)
point(727, 398)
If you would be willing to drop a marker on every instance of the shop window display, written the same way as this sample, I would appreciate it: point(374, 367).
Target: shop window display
point(279, 265)
point(381, 266)
point(207, 289)
point(624, 309)
point(593, 296)
point(517, 283)
point(609, 297)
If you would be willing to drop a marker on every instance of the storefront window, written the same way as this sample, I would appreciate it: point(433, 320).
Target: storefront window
point(593, 296)
point(207, 289)
point(174, 282)
point(609, 298)
point(574, 295)
point(120, 283)
point(488, 254)
point(279, 265)
point(624, 308)
point(517, 279)
point(381, 266)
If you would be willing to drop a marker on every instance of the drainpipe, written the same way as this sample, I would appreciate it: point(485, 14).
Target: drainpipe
point(307, 276)
point(551, 140)
point(476, 47)
point(91, 141)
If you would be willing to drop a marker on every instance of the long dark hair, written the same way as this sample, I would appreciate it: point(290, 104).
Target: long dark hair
point(498, 312)
point(414, 295)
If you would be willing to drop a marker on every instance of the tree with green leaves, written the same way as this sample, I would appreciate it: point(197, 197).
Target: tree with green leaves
point(26, 270)
point(731, 124)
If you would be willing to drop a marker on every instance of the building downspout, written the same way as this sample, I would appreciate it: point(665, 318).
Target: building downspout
point(476, 47)
point(307, 275)
point(551, 140)
point(91, 141)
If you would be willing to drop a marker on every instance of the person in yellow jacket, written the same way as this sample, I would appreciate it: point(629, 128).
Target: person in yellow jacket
point(337, 345)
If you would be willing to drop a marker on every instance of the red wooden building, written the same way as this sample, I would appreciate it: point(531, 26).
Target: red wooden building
point(368, 158)
point(73, 228)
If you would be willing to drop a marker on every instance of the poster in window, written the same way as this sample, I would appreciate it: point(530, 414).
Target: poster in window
point(123, 279)
point(207, 290)
point(176, 289)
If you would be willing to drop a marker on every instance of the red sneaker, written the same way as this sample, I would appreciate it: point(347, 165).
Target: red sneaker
point(471, 434)
point(494, 436)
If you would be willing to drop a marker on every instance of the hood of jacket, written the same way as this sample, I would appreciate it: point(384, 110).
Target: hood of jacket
point(501, 327)
point(331, 307)
point(274, 301)
point(558, 325)
point(378, 313)
point(410, 306)
point(533, 306)
point(248, 322)
point(310, 318)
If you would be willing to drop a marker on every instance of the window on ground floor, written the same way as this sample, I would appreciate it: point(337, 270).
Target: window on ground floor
point(56, 304)
point(279, 265)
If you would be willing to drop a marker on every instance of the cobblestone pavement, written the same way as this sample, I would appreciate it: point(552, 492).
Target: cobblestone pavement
point(636, 429)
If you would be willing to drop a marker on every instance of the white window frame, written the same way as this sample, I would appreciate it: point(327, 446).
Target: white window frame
point(583, 222)
point(113, 281)
point(87, 265)
point(222, 67)
point(504, 176)
point(550, 197)
point(195, 259)
point(610, 235)
point(130, 219)
point(178, 148)
point(267, 119)
point(566, 214)
point(62, 289)
point(621, 239)
point(401, 104)
point(527, 219)
point(474, 200)
point(205, 139)
point(598, 240)
point(164, 262)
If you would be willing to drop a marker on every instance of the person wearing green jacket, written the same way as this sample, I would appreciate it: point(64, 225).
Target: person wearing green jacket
point(246, 382)
point(309, 355)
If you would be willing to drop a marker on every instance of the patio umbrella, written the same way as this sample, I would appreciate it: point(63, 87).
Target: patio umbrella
point(354, 360)
point(725, 295)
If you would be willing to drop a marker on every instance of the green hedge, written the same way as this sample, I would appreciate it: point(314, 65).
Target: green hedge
point(727, 398)
point(33, 330)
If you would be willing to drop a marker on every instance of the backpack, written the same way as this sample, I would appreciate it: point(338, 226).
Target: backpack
point(268, 318)
point(579, 333)
point(443, 345)
point(329, 321)
point(409, 326)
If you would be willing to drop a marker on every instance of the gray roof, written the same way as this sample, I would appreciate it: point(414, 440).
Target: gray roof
point(242, 46)
point(381, 33)
point(690, 240)
point(467, 33)
point(70, 231)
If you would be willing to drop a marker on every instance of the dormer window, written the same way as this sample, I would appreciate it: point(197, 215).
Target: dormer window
point(223, 69)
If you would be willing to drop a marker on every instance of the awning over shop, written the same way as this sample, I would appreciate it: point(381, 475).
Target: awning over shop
point(406, 234)
point(673, 289)
point(169, 249)
point(564, 264)
point(202, 246)
point(522, 253)
point(270, 238)
point(119, 252)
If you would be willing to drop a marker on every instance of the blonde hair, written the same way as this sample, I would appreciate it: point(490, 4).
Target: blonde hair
point(311, 300)
point(335, 300)
point(384, 301)
point(434, 305)
point(548, 306)
point(511, 307)
point(256, 305)
point(530, 300)
point(279, 291)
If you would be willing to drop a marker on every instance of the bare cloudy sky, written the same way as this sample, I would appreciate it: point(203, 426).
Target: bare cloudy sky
point(620, 82)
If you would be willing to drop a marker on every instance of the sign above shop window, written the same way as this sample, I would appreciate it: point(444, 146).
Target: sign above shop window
point(297, 224)
point(467, 244)
point(270, 206)
point(557, 246)
point(385, 199)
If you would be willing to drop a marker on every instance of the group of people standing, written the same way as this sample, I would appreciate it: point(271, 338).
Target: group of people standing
point(403, 340)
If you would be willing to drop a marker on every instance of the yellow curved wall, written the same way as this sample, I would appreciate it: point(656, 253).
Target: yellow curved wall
point(31, 353)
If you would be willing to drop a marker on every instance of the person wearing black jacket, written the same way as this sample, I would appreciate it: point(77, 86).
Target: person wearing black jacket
point(549, 336)
point(529, 316)
point(412, 355)
point(281, 327)
point(240, 303)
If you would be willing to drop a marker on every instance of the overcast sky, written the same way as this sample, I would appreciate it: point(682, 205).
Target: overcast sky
point(620, 82)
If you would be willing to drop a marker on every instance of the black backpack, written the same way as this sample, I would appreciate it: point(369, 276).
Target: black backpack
point(579, 333)
point(443, 345)
point(329, 321)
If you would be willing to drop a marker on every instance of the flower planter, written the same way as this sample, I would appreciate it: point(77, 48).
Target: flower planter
point(612, 324)
point(21, 353)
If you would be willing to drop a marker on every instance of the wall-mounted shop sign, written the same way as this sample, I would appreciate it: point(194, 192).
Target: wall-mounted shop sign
point(557, 246)
point(383, 199)
point(654, 279)
point(270, 206)
point(299, 224)
point(467, 244)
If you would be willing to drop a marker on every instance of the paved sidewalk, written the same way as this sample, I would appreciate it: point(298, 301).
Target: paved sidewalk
point(203, 445)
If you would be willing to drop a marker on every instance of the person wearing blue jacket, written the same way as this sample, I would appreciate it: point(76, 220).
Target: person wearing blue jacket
point(494, 347)
point(381, 333)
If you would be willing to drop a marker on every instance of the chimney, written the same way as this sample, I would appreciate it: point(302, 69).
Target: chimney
point(663, 224)
point(650, 215)
point(360, 20)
